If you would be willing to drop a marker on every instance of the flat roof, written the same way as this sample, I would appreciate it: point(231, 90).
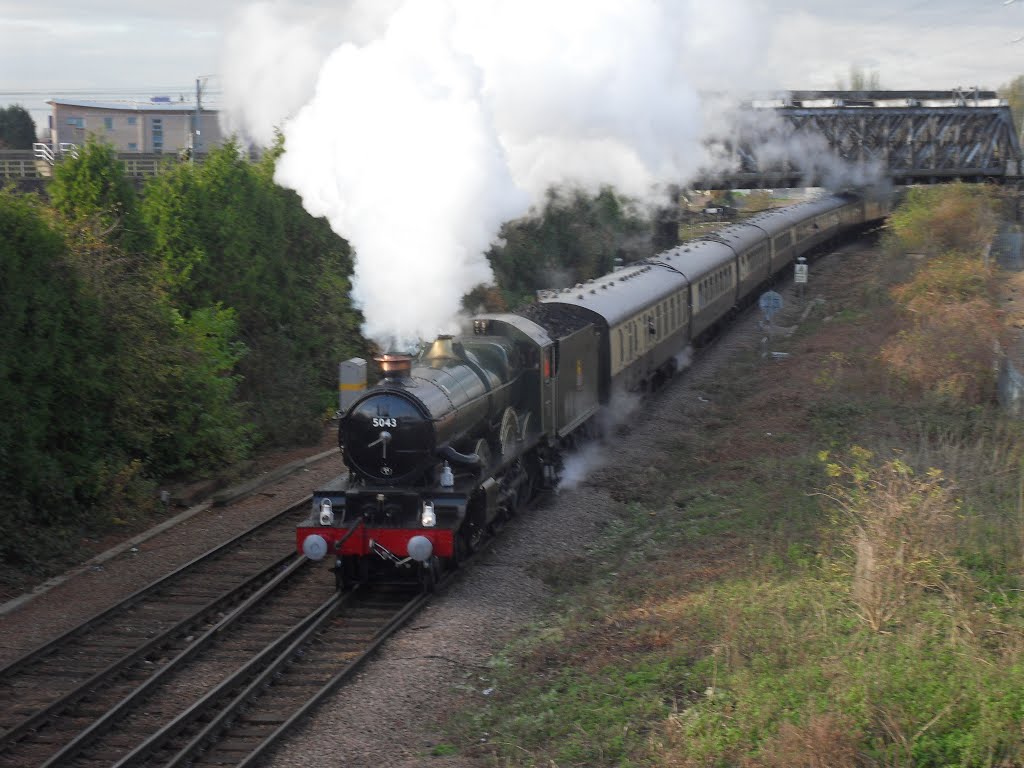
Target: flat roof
point(131, 106)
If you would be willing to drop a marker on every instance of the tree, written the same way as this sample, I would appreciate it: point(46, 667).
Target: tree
point(574, 238)
point(53, 387)
point(93, 186)
point(1013, 92)
point(17, 129)
point(860, 80)
point(227, 235)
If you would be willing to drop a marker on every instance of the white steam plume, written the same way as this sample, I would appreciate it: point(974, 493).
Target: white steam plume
point(273, 55)
point(772, 144)
point(441, 119)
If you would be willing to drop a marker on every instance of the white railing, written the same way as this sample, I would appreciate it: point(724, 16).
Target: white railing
point(43, 152)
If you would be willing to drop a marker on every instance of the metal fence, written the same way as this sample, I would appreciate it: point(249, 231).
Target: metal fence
point(1010, 387)
point(1008, 250)
point(22, 165)
point(39, 162)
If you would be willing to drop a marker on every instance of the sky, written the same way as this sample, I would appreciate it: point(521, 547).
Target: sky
point(118, 49)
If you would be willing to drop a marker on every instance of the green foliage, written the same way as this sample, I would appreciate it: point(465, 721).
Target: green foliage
point(225, 235)
point(946, 352)
point(105, 384)
point(168, 212)
point(1013, 92)
point(154, 339)
point(172, 378)
point(17, 128)
point(204, 425)
point(49, 443)
point(943, 218)
point(93, 187)
point(750, 672)
point(55, 392)
point(574, 238)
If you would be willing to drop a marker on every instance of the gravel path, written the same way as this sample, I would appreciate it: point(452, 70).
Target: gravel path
point(389, 716)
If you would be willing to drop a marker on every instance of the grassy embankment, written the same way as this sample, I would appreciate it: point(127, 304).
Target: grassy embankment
point(844, 593)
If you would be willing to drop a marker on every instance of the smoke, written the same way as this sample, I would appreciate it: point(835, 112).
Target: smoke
point(271, 79)
point(749, 139)
point(594, 454)
point(273, 55)
point(578, 465)
point(429, 123)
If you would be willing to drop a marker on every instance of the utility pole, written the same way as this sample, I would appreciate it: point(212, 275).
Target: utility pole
point(197, 121)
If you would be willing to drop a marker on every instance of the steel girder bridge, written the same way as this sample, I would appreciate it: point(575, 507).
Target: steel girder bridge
point(855, 138)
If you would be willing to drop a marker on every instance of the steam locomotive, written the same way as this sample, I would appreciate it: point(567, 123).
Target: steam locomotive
point(449, 445)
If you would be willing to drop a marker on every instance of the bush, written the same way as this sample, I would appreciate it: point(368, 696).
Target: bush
point(947, 349)
point(226, 236)
point(574, 238)
point(942, 218)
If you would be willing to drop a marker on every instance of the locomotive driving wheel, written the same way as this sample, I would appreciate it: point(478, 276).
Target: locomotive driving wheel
point(483, 450)
point(509, 434)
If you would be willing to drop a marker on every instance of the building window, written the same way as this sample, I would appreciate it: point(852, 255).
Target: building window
point(76, 122)
point(132, 120)
point(108, 123)
point(158, 134)
point(133, 147)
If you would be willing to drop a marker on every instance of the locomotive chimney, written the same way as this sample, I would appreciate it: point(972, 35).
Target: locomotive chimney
point(394, 366)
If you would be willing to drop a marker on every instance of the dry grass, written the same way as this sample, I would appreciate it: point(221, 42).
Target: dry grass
point(902, 531)
point(824, 741)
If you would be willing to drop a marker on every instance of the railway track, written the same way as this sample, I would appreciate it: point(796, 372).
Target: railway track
point(235, 689)
point(243, 717)
point(209, 665)
point(136, 638)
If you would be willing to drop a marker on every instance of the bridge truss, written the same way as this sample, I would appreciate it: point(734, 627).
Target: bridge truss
point(907, 137)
